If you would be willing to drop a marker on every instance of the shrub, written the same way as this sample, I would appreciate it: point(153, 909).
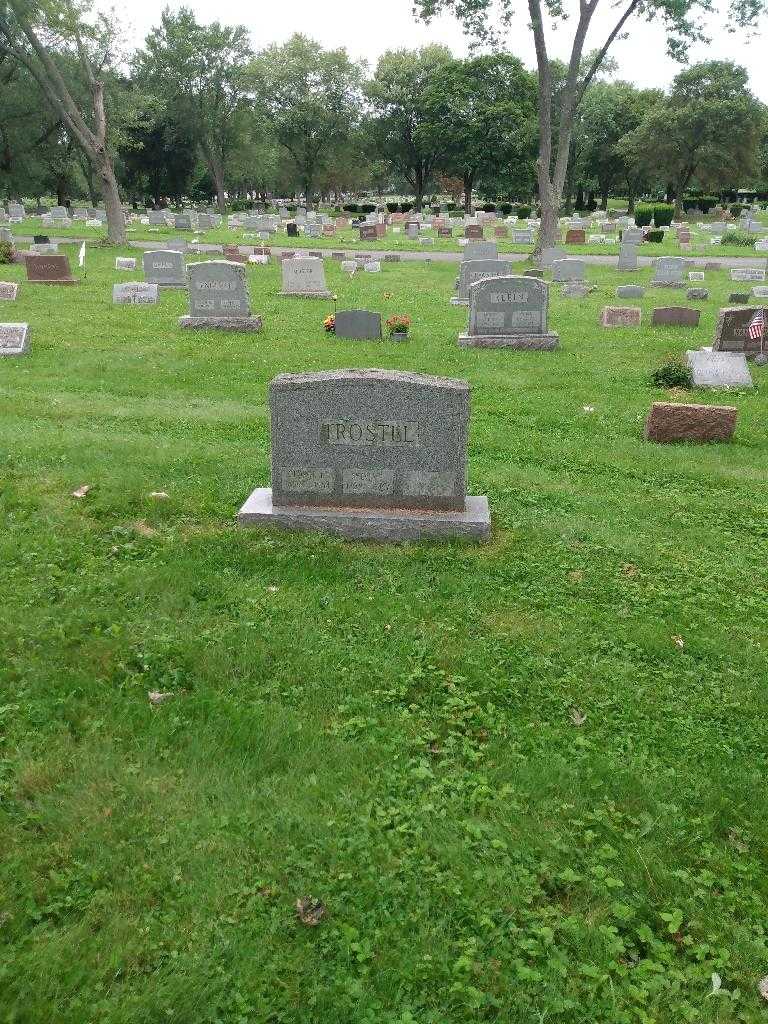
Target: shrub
point(6, 252)
point(524, 212)
point(663, 214)
point(240, 205)
point(450, 206)
point(654, 236)
point(488, 207)
point(505, 209)
point(736, 209)
point(643, 215)
point(738, 238)
point(350, 208)
point(292, 208)
point(392, 207)
point(673, 373)
point(367, 208)
point(405, 207)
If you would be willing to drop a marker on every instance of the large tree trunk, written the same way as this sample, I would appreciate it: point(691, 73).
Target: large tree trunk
point(115, 219)
point(418, 188)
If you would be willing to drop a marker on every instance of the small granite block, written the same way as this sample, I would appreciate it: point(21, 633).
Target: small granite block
point(630, 291)
point(222, 323)
point(381, 524)
point(738, 298)
point(621, 316)
point(699, 294)
point(669, 422)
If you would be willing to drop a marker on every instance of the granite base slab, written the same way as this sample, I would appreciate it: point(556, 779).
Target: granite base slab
point(221, 323)
point(306, 295)
point(369, 524)
point(538, 342)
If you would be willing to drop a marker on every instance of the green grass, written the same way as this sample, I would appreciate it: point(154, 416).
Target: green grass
point(349, 238)
point(387, 729)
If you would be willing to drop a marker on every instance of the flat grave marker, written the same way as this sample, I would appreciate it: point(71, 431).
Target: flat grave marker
point(14, 339)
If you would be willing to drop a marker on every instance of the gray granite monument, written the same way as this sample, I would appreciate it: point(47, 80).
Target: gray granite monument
point(218, 298)
point(509, 312)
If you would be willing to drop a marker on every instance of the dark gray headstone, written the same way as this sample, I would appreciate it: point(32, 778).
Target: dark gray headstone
point(165, 268)
point(358, 325)
point(509, 312)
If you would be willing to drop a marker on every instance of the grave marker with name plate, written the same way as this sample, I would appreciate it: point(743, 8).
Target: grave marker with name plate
point(14, 339)
point(52, 269)
point(621, 316)
point(567, 270)
point(304, 277)
point(218, 298)
point(668, 272)
point(358, 325)
point(471, 271)
point(675, 316)
point(369, 454)
point(509, 312)
point(8, 291)
point(125, 263)
point(731, 332)
point(134, 293)
point(719, 369)
point(165, 268)
point(480, 251)
point(748, 274)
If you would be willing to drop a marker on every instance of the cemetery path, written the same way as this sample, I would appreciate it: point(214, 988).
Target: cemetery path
point(436, 256)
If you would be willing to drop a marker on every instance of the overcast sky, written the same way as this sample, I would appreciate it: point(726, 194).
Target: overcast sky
point(369, 27)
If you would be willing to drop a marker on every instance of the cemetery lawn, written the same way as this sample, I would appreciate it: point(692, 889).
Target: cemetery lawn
point(526, 779)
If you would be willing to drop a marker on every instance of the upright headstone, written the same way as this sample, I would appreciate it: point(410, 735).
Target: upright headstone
point(14, 339)
point(125, 263)
point(675, 316)
point(719, 369)
point(156, 218)
point(509, 312)
point(568, 269)
point(474, 231)
point(471, 271)
point(627, 257)
point(304, 277)
point(732, 332)
point(218, 298)
point(182, 222)
point(165, 268)
point(369, 454)
point(358, 325)
point(576, 236)
point(549, 255)
point(52, 269)
point(668, 272)
point(480, 251)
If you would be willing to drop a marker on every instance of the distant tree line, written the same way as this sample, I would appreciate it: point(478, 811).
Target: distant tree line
point(195, 112)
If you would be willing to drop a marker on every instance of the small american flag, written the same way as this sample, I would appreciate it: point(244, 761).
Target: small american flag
point(756, 325)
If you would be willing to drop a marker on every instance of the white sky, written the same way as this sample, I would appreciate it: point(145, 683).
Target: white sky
point(369, 27)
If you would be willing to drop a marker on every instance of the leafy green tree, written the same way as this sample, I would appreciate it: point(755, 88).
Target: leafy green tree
point(484, 115)
point(311, 100)
point(678, 17)
point(67, 47)
point(198, 73)
point(406, 126)
point(708, 130)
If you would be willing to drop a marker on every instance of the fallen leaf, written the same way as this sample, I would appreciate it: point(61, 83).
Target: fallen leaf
point(578, 717)
point(310, 911)
point(160, 495)
point(81, 491)
point(679, 642)
point(762, 987)
point(155, 697)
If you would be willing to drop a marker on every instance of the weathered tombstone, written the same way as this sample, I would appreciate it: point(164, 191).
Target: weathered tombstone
point(549, 255)
point(358, 325)
point(44, 248)
point(523, 236)
point(165, 268)
point(313, 230)
point(16, 211)
point(627, 257)
point(369, 454)
point(6, 235)
point(218, 298)
point(134, 293)
point(509, 312)
point(675, 316)
point(668, 272)
point(8, 291)
point(412, 229)
point(182, 222)
point(738, 298)
point(502, 231)
point(534, 273)
point(621, 316)
point(760, 291)
point(392, 257)
point(670, 422)
point(125, 263)
point(304, 277)
point(748, 274)
point(232, 254)
point(719, 369)
point(204, 222)
point(696, 275)
point(292, 230)
point(567, 269)
point(156, 218)
point(629, 291)
point(52, 269)
point(14, 339)
point(576, 289)
point(576, 236)
point(697, 294)
point(732, 332)
point(471, 271)
point(473, 231)
point(480, 251)
point(60, 213)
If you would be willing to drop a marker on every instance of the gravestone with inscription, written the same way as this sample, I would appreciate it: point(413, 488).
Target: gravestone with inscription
point(52, 269)
point(748, 274)
point(156, 218)
point(218, 298)
point(549, 255)
point(480, 251)
point(165, 268)
point(134, 293)
point(125, 263)
point(369, 454)
point(668, 272)
point(509, 312)
point(675, 316)
point(14, 339)
point(731, 333)
point(621, 316)
point(627, 257)
point(719, 369)
point(8, 291)
point(471, 271)
point(575, 236)
point(358, 325)
point(567, 270)
point(304, 277)
point(523, 236)
point(474, 231)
